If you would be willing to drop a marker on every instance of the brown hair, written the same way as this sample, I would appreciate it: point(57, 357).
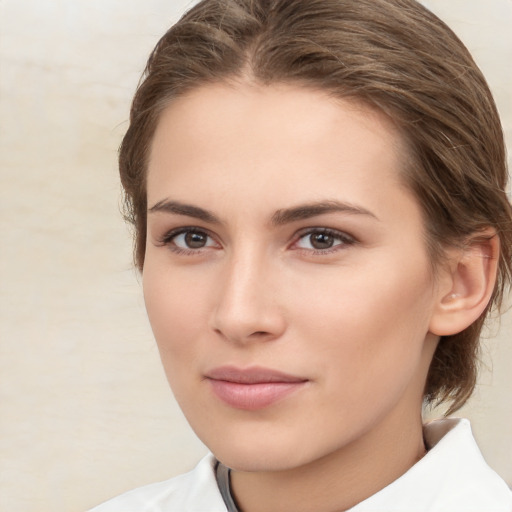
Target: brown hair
point(393, 55)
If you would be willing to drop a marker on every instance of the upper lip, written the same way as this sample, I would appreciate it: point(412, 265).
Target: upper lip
point(252, 375)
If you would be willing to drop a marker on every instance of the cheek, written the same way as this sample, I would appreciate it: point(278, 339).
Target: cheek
point(369, 322)
point(175, 307)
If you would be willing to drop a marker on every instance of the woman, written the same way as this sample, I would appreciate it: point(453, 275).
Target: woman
point(317, 188)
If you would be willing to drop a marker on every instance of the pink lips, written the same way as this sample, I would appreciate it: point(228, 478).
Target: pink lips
point(252, 388)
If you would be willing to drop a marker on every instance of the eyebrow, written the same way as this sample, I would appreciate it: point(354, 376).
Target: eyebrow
point(307, 211)
point(168, 206)
point(280, 217)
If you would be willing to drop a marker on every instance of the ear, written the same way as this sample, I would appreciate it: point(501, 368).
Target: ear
point(466, 285)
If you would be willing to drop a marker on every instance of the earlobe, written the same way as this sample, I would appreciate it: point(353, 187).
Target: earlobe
point(467, 284)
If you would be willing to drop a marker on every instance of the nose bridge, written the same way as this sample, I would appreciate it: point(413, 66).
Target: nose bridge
point(246, 306)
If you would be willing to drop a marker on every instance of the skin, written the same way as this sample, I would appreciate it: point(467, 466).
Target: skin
point(353, 320)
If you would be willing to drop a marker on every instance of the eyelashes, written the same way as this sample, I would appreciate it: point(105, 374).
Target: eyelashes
point(323, 240)
point(188, 240)
point(192, 240)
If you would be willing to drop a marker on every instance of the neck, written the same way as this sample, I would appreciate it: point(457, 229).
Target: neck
point(339, 480)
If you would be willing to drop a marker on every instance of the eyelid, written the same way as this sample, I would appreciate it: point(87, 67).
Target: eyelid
point(346, 239)
point(343, 236)
point(167, 238)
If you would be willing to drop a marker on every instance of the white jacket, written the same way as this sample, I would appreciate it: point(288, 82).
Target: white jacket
point(451, 477)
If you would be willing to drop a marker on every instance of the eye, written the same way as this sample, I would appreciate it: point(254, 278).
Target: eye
point(188, 239)
point(192, 240)
point(323, 239)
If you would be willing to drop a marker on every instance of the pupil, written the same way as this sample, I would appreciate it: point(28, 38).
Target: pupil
point(195, 240)
point(321, 241)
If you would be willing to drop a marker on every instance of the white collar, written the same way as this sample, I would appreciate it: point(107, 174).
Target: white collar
point(452, 477)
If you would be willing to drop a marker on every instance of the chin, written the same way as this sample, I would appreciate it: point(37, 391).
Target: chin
point(256, 462)
point(254, 454)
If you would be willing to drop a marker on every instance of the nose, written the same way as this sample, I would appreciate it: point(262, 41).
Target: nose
point(247, 307)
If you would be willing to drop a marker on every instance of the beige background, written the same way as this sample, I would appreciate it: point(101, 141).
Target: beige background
point(85, 411)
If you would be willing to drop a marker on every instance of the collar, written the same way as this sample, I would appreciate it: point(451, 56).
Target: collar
point(452, 477)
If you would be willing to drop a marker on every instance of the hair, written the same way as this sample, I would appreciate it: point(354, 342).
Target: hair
point(394, 56)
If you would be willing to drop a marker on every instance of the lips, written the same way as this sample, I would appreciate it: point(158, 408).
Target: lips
point(252, 388)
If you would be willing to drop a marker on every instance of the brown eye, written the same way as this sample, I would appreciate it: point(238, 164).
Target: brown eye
point(321, 240)
point(195, 240)
point(189, 240)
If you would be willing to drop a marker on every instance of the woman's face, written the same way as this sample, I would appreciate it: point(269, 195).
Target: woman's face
point(286, 276)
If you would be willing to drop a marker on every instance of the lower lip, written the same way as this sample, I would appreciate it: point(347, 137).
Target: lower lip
point(251, 397)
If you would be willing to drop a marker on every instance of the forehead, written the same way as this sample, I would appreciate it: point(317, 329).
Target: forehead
point(300, 109)
point(282, 141)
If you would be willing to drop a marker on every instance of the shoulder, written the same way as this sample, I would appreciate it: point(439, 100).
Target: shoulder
point(190, 492)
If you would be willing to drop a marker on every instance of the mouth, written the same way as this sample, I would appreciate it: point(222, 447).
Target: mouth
point(252, 388)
